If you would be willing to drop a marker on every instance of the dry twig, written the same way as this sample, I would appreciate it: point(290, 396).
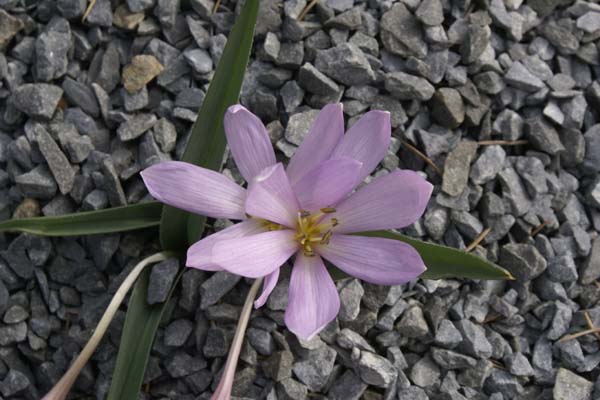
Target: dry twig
point(308, 7)
point(478, 239)
point(88, 10)
point(422, 156)
point(502, 142)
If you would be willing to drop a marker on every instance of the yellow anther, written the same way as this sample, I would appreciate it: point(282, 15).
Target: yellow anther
point(327, 210)
point(334, 222)
point(326, 237)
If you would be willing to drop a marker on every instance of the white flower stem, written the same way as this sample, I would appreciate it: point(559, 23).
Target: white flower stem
point(61, 389)
point(223, 391)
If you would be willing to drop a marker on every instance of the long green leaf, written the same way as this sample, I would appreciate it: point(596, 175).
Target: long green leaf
point(444, 261)
point(143, 320)
point(118, 219)
point(178, 228)
point(207, 142)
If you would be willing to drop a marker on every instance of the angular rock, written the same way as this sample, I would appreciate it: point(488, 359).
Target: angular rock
point(346, 64)
point(135, 126)
point(590, 270)
point(161, 279)
point(488, 165)
point(522, 260)
point(401, 33)
point(63, 172)
point(38, 100)
point(543, 136)
point(408, 87)
point(430, 12)
point(570, 386)
point(315, 81)
point(51, 48)
point(448, 108)
point(9, 27)
point(141, 70)
point(413, 324)
point(457, 167)
point(375, 370)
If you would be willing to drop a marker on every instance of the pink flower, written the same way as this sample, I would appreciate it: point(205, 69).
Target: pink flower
point(309, 209)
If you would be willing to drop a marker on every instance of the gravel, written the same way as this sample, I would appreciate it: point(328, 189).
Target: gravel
point(85, 106)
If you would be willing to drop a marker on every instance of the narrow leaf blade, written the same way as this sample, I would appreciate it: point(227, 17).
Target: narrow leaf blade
point(207, 142)
point(117, 219)
point(134, 349)
point(443, 261)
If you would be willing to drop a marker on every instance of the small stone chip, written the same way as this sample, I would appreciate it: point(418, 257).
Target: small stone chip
point(141, 70)
point(457, 168)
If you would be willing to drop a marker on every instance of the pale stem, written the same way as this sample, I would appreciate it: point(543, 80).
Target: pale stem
point(61, 389)
point(223, 391)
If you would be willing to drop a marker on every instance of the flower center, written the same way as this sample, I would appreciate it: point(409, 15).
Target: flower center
point(314, 229)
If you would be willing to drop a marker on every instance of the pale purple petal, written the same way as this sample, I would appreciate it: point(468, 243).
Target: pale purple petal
point(366, 141)
point(372, 259)
point(248, 140)
point(327, 183)
point(313, 300)
point(195, 189)
point(271, 197)
point(257, 255)
point(199, 255)
point(268, 286)
point(391, 201)
point(324, 135)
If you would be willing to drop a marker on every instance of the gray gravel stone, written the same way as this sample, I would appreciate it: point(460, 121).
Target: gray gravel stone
point(425, 372)
point(161, 279)
point(299, 125)
point(346, 64)
point(135, 126)
point(347, 387)
point(375, 370)
point(413, 324)
point(63, 172)
point(474, 341)
point(315, 370)
point(408, 87)
point(457, 167)
point(215, 287)
point(543, 136)
point(177, 332)
point(51, 48)
point(590, 270)
point(488, 165)
point(315, 81)
point(570, 386)
point(37, 183)
point(448, 108)
point(522, 260)
point(38, 100)
point(14, 382)
point(401, 33)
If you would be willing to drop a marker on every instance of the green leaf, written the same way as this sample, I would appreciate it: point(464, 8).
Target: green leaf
point(443, 261)
point(118, 219)
point(141, 322)
point(207, 142)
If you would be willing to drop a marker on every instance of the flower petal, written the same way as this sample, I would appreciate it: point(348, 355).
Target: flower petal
point(195, 189)
point(248, 140)
point(199, 255)
point(324, 135)
point(271, 197)
point(366, 141)
point(327, 183)
point(313, 300)
point(257, 255)
point(268, 286)
point(391, 201)
point(376, 260)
